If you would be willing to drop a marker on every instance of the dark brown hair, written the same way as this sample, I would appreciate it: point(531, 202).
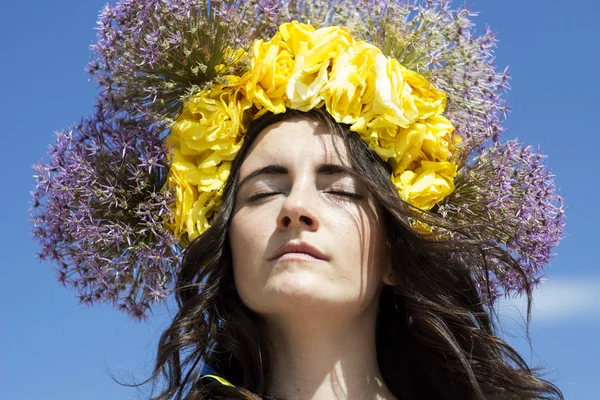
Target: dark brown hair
point(434, 335)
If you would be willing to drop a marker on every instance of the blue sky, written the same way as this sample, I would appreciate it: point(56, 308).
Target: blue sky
point(53, 348)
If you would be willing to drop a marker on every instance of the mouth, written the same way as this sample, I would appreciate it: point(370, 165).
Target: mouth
point(298, 251)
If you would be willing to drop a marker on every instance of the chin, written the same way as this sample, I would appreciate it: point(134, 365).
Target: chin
point(301, 291)
point(298, 287)
point(298, 282)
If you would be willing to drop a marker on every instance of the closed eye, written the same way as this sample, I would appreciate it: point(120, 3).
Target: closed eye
point(262, 195)
point(345, 193)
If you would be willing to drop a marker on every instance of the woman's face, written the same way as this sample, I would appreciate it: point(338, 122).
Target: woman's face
point(304, 235)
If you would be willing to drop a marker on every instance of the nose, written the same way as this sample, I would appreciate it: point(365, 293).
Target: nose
point(298, 211)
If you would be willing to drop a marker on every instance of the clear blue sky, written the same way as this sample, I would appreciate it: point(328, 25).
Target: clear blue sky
point(53, 348)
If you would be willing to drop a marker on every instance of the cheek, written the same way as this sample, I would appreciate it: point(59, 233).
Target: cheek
point(249, 234)
point(360, 238)
point(242, 257)
point(252, 227)
point(243, 241)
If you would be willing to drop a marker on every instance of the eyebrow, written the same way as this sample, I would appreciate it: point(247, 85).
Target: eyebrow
point(275, 169)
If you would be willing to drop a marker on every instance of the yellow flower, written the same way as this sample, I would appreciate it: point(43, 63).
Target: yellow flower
point(198, 183)
point(427, 185)
point(211, 181)
point(396, 145)
point(185, 196)
point(351, 87)
point(419, 155)
point(380, 134)
point(295, 35)
point(428, 100)
point(213, 119)
point(204, 209)
point(207, 171)
point(439, 141)
point(272, 65)
point(393, 96)
point(429, 140)
point(203, 141)
point(313, 60)
point(325, 45)
point(304, 90)
point(408, 146)
point(197, 191)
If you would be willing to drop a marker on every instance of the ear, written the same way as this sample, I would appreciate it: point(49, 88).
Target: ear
point(389, 278)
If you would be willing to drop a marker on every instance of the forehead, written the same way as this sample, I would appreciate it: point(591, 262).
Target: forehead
point(296, 141)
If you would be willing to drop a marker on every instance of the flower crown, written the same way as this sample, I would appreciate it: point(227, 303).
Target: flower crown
point(124, 191)
point(396, 111)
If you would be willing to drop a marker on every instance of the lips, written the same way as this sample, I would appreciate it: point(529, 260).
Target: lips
point(299, 248)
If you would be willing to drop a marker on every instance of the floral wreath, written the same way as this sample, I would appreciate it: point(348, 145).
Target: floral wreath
point(393, 109)
point(123, 192)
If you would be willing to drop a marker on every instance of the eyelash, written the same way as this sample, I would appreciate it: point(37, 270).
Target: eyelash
point(352, 195)
point(344, 193)
point(262, 195)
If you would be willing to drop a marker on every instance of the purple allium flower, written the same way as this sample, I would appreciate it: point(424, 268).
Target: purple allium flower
point(152, 54)
point(98, 213)
point(508, 196)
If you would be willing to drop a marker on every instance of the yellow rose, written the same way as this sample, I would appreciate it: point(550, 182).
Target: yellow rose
point(207, 204)
point(380, 134)
point(324, 45)
point(351, 86)
point(203, 141)
point(428, 100)
point(272, 66)
point(203, 210)
point(295, 35)
point(185, 192)
point(304, 90)
point(398, 146)
point(408, 145)
point(439, 141)
point(393, 96)
point(213, 119)
point(198, 182)
point(426, 185)
point(185, 196)
point(313, 60)
point(204, 171)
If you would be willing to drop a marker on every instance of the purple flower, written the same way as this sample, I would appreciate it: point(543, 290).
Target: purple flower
point(508, 196)
point(98, 213)
point(151, 54)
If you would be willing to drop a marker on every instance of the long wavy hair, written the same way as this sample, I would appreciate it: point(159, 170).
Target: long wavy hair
point(434, 334)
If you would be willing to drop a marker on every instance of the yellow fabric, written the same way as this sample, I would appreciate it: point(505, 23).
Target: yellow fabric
point(396, 111)
point(218, 379)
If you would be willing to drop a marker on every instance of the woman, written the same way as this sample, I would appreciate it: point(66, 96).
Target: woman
point(312, 284)
point(347, 210)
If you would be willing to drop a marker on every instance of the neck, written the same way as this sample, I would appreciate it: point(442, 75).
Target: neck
point(324, 358)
